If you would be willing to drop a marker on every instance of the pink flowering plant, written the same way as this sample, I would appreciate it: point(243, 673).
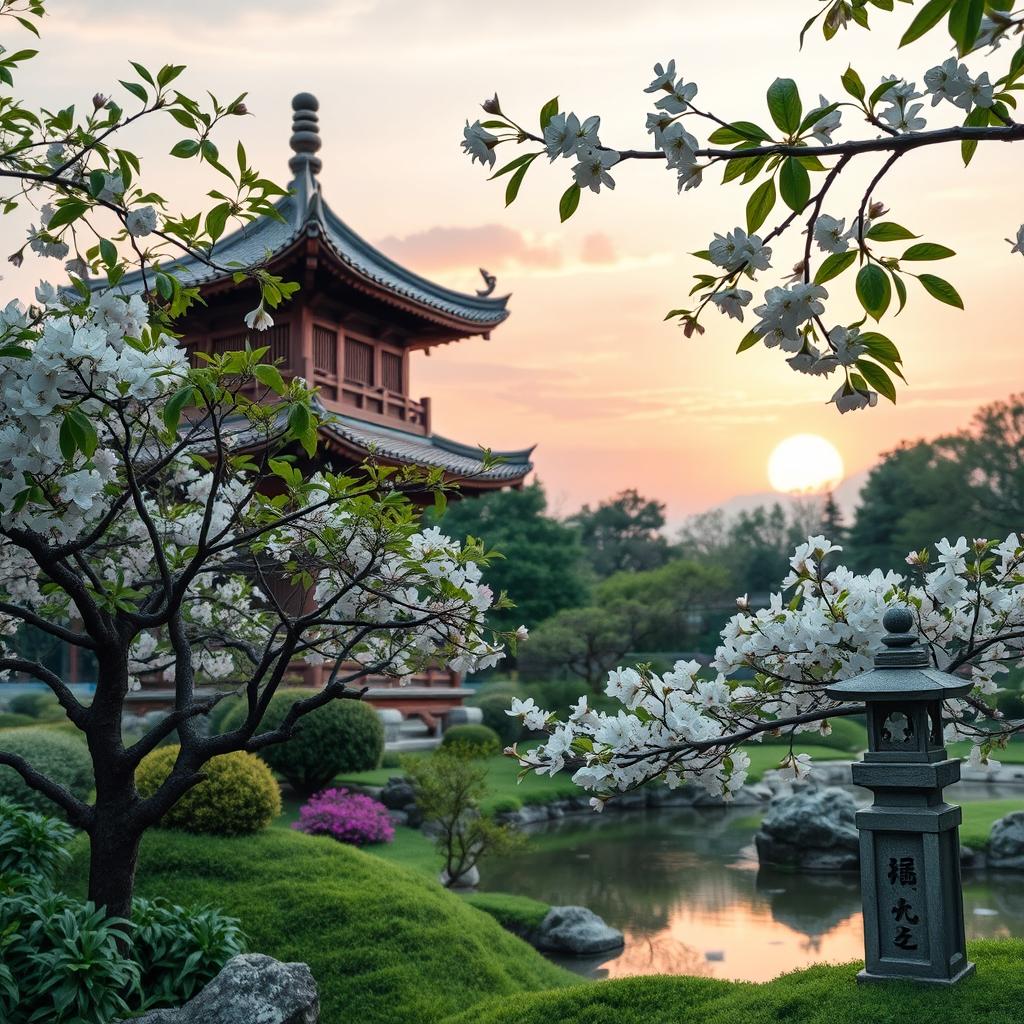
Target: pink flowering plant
point(348, 817)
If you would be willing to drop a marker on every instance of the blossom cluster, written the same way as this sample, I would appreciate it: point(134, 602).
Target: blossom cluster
point(773, 665)
point(347, 817)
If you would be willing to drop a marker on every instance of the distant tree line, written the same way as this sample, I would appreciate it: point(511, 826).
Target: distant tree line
point(607, 583)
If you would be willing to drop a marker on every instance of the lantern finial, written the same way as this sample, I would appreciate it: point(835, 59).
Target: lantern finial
point(901, 646)
point(305, 140)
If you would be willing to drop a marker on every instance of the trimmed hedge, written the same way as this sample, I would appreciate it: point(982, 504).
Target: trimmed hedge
point(238, 796)
point(341, 736)
point(61, 757)
point(14, 720)
point(473, 740)
point(36, 704)
point(517, 914)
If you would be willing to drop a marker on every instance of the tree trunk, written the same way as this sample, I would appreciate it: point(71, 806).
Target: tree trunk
point(113, 854)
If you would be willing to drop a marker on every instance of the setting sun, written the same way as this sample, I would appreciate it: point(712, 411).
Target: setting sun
point(805, 464)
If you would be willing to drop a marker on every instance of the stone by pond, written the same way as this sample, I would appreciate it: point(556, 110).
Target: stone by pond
point(685, 888)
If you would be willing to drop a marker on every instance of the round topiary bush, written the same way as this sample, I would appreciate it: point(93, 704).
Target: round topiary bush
point(509, 729)
point(238, 796)
point(12, 720)
point(472, 740)
point(36, 704)
point(341, 736)
point(61, 757)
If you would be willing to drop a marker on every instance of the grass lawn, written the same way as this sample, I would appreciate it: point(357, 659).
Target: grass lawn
point(819, 995)
point(386, 945)
point(979, 816)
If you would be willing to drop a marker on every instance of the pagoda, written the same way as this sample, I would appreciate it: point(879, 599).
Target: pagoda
point(350, 331)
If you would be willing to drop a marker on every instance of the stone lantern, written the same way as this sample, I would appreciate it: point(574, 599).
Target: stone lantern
point(909, 837)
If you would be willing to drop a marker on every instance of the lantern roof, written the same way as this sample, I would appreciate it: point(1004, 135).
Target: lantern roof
point(902, 669)
point(304, 214)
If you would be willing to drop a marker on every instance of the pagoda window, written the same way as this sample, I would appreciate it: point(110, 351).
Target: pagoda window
point(358, 362)
point(277, 338)
point(391, 372)
point(325, 350)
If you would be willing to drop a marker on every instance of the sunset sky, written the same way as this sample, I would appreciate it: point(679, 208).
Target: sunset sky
point(585, 367)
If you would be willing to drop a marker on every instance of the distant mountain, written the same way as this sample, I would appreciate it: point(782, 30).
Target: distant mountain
point(847, 496)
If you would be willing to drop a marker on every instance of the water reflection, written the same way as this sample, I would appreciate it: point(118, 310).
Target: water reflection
point(685, 888)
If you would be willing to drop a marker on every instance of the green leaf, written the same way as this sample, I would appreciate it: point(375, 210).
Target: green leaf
point(794, 184)
point(216, 220)
point(548, 111)
point(568, 203)
point(877, 378)
point(270, 377)
point(138, 91)
point(68, 211)
point(164, 286)
point(142, 72)
point(513, 164)
point(108, 252)
point(878, 92)
point(873, 290)
point(175, 404)
point(965, 22)
point(888, 231)
point(512, 189)
point(739, 131)
point(298, 420)
point(853, 84)
point(66, 439)
point(85, 432)
point(927, 18)
point(901, 290)
point(815, 116)
point(927, 251)
point(750, 339)
point(941, 290)
point(977, 118)
point(760, 204)
point(834, 265)
point(185, 149)
point(784, 105)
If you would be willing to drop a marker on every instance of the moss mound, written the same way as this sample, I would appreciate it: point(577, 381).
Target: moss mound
point(819, 995)
point(385, 945)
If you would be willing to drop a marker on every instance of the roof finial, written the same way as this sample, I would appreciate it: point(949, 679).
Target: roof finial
point(305, 140)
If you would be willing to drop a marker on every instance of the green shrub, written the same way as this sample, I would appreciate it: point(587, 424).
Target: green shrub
point(65, 759)
point(179, 950)
point(32, 844)
point(13, 720)
point(342, 736)
point(62, 961)
point(508, 729)
point(472, 740)
point(36, 704)
point(390, 759)
point(238, 796)
point(505, 805)
point(220, 711)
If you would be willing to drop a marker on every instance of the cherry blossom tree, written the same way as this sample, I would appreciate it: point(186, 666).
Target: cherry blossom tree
point(797, 156)
point(771, 668)
point(169, 518)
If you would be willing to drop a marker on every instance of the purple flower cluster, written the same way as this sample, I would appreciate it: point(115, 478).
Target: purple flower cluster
point(347, 817)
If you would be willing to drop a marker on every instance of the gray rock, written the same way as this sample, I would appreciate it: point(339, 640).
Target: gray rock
point(413, 815)
point(467, 880)
point(463, 716)
point(398, 817)
point(530, 814)
point(813, 829)
point(253, 989)
point(575, 930)
point(397, 794)
point(1006, 842)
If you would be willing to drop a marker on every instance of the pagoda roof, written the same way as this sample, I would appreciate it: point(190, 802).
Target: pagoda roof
point(361, 440)
point(305, 214)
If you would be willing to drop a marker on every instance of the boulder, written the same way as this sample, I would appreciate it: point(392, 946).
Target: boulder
point(397, 794)
point(812, 829)
point(467, 880)
point(575, 930)
point(253, 988)
point(1006, 842)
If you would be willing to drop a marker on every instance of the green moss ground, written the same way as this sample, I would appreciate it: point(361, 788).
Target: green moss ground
point(385, 944)
point(819, 995)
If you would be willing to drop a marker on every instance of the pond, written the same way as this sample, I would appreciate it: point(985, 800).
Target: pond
point(685, 888)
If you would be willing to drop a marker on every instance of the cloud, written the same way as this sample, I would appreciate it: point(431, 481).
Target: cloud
point(490, 245)
point(598, 248)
